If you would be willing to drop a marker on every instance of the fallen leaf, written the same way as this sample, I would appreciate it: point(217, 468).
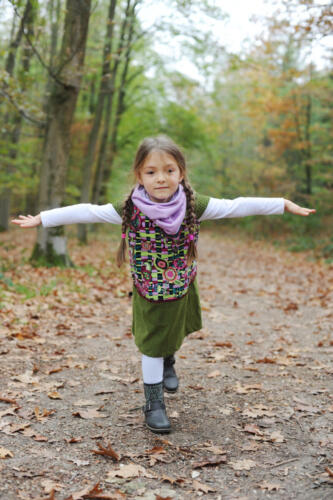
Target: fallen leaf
point(266, 360)
point(79, 463)
point(226, 411)
point(213, 460)
point(130, 470)
point(9, 411)
point(245, 464)
point(27, 378)
point(223, 344)
point(250, 447)
point(39, 438)
point(42, 416)
point(85, 402)
point(15, 428)
point(196, 387)
point(308, 409)
point(201, 487)
point(54, 395)
point(329, 471)
point(277, 437)
point(4, 453)
point(50, 486)
point(107, 452)
point(291, 306)
point(91, 413)
point(253, 429)
point(269, 486)
point(257, 411)
point(73, 440)
point(8, 400)
point(214, 449)
point(213, 374)
point(96, 493)
point(180, 481)
point(155, 450)
point(247, 388)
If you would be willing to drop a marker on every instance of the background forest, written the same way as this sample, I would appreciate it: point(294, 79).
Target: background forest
point(81, 83)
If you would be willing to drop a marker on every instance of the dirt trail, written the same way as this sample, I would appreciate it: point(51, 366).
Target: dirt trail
point(252, 418)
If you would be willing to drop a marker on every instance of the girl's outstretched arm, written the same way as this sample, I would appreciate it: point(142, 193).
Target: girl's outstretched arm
point(83, 213)
point(27, 220)
point(291, 207)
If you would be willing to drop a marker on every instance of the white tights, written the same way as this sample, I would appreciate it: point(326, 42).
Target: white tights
point(152, 369)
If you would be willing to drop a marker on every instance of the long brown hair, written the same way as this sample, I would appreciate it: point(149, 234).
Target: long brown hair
point(166, 145)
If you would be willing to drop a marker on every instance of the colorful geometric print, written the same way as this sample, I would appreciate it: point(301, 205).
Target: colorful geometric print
point(159, 260)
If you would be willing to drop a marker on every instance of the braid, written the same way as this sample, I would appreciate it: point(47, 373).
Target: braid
point(126, 219)
point(191, 221)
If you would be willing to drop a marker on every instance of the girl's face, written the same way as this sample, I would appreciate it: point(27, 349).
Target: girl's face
point(160, 176)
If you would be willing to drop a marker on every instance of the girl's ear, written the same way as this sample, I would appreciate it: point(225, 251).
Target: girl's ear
point(138, 178)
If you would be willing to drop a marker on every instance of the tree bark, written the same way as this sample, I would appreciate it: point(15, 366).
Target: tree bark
point(51, 246)
point(13, 121)
point(119, 111)
point(308, 151)
point(90, 154)
point(99, 174)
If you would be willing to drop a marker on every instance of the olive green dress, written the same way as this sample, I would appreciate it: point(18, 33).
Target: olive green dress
point(160, 328)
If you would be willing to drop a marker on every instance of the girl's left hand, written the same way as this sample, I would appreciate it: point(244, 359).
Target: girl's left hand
point(291, 207)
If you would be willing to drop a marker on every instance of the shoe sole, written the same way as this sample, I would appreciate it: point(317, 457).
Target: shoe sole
point(171, 390)
point(158, 431)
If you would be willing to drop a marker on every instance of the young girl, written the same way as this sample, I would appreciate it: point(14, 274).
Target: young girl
point(161, 218)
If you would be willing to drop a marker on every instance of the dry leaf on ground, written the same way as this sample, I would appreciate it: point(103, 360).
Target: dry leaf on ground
point(107, 452)
point(245, 464)
point(54, 395)
point(253, 429)
point(277, 437)
point(269, 486)
point(127, 471)
point(91, 413)
point(258, 411)
point(202, 487)
point(4, 453)
point(247, 388)
point(50, 485)
point(213, 460)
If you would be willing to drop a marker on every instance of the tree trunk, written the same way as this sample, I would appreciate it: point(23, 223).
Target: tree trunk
point(90, 154)
point(11, 137)
point(54, 15)
point(99, 174)
point(308, 152)
point(51, 247)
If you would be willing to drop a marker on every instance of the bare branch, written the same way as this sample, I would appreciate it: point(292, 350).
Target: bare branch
point(22, 112)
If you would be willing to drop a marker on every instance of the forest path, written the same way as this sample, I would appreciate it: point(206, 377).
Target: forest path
point(253, 415)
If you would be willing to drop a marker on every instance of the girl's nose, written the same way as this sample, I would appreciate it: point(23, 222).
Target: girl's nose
point(160, 177)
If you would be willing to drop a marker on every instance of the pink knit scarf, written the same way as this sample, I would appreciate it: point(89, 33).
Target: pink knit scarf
point(167, 215)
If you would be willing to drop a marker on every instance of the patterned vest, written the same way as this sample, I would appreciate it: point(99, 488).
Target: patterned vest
point(158, 260)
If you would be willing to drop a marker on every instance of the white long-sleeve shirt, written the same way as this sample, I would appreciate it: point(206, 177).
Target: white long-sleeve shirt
point(216, 209)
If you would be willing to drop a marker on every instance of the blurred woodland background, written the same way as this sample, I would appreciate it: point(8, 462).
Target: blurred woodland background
point(82, 82)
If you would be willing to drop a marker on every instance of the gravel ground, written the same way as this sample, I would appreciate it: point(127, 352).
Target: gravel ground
point(252, 418)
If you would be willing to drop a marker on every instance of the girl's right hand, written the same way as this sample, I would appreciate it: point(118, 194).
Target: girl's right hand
point(27, 220)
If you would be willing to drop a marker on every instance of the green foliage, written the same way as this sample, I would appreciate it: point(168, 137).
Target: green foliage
point(243, 125)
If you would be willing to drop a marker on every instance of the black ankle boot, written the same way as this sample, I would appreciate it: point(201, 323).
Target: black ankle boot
point(154, 409)
point(170, 379)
